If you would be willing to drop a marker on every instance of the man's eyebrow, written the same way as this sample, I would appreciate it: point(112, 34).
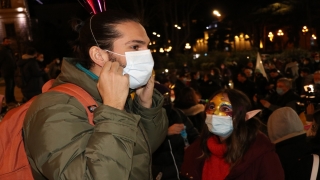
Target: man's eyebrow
point(136, 41)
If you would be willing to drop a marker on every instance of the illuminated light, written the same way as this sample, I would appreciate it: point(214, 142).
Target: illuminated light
point(236, 37)
point(196, 56)
point(270, 35)
point(154, 33)
point(305, 29)
point(21, 15)
point(248, 57)
point(241, 36)
point(39, 1)
point(154, 50)
point(158, 35)
point(153, 42)
point(261, 45)
point(314, 36)
point(150, 43)
point(20, 9)
point(169, 41)
point(246, 36)
point(166, 70)
point(187, 46)
point(161, 50)
point(175, 25)
point(280, 33)
point(178, 27)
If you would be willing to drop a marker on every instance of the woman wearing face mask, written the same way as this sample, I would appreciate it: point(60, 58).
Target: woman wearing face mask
point(232, 145)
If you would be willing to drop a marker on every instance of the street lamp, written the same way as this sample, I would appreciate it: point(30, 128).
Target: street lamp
point(280, 33)
point(304, 31)
point(270, 35)
point(216, 13)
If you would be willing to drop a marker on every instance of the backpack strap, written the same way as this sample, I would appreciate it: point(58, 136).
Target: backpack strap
point(81, 95)
point(315, 167)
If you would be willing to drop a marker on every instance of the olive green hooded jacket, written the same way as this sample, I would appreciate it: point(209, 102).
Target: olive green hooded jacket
point(61, 144)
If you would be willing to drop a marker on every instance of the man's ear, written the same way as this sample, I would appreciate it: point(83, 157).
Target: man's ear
point(96, 55)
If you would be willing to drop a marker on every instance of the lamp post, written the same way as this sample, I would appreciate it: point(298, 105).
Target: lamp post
point(280, 34)
point(304, 31)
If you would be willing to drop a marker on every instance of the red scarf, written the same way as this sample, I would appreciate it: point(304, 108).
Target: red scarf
point(215, 168)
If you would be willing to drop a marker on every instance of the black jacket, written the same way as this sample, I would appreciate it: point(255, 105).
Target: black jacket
point(32, 75)
point(168, 157)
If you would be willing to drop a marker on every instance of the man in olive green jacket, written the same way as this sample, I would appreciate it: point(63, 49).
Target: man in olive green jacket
point(59, 141)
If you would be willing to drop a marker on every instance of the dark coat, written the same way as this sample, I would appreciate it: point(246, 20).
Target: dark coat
point(7, 61)
point(290, 151)
point(32, 75)
point(169, 155)
point(259, 162)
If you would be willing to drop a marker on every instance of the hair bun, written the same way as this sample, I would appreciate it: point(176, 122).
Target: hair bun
point(77, 24)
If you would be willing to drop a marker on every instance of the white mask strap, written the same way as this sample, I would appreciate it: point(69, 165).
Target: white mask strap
point(114, 53)
point(92, 32)
point(252, 113)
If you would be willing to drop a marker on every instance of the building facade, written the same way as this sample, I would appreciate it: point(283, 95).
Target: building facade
point(14, 21)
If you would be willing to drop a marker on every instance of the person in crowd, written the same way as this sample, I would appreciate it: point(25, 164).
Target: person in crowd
point(127, 129)
point(208, 86)
point(291, 69)
point(196, 82)
point(8, 68)
point(261, 83)
point(54, 68)
point(304, 79)
point(284, 96)
point(31, 74)
point(274, 76)
point(233, 147)
point(286, 131)
point(245, 85)
point(249, 73)
point(226, 75)
point(180, 83)
point(168, 158)
point(188, 102)
point(42, 66)
point(316, 63)
point(216, 77)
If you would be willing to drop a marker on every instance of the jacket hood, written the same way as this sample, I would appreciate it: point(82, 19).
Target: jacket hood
point(196, 109)
point(259, 147)
point(284, 123)
point(71, 74)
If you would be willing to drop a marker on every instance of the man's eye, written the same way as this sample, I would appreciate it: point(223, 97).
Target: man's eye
point(135, 47)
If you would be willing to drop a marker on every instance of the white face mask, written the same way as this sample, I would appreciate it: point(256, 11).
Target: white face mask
point(219, 125)
point(139, 67)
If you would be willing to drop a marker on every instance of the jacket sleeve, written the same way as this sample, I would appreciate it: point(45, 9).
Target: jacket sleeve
point(63, 145)
point(154, 120)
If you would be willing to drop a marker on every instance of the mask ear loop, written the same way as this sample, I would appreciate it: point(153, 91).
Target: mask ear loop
point(92, 32)
point(252, 113)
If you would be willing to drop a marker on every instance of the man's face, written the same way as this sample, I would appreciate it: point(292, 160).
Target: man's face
point(7, 42)
point(134, 38)
point(219, 105)
point(248, 72)
point(282, 86)
point(240, 78)
point(273, 74)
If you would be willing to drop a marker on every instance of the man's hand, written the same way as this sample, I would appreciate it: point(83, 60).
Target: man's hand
point(175, 129)
point(113, 86)
point(265, 103)
point(145, 93)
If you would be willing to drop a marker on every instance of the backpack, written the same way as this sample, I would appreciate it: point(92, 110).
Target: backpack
point(14, 163)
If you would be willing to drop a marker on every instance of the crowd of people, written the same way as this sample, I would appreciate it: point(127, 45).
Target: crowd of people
point(231, 122)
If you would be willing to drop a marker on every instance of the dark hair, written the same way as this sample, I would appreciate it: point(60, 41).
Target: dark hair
point(31, 51)
point(104, 33)
point(242, 74)
point(186, 99)
point(244, 132)
point(305, 69)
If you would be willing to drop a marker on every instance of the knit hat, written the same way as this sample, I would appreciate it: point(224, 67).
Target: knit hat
point(284, 123)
